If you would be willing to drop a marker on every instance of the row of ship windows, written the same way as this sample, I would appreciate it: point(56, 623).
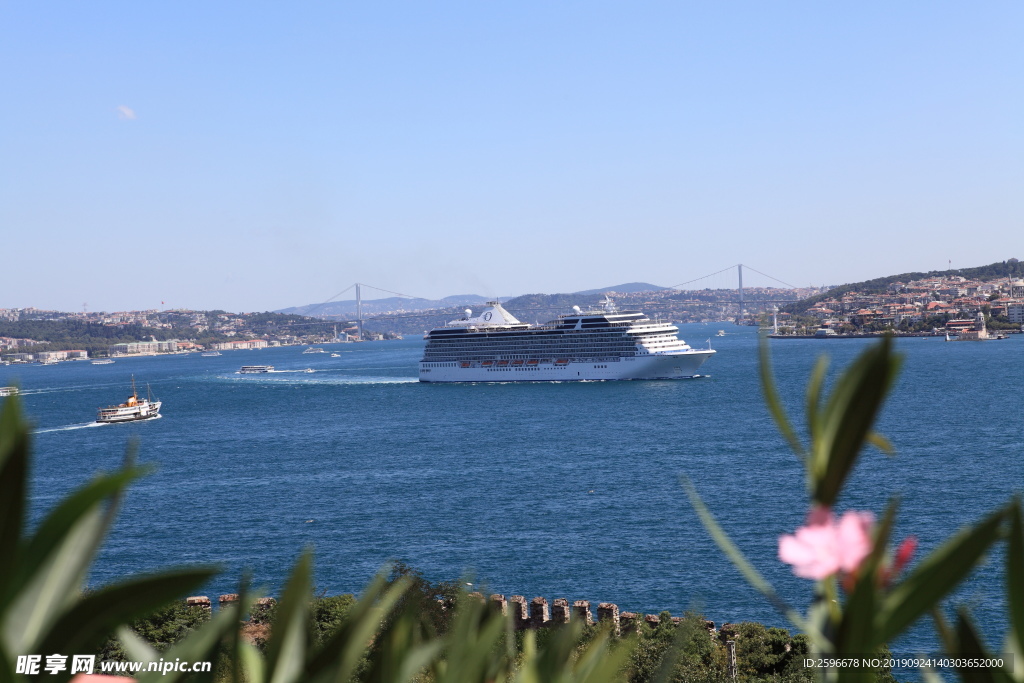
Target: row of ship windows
point(532, 338)
point(550, 339)
point(604, 357)
point(543, 345)
point(526, 348)
point(518, 369)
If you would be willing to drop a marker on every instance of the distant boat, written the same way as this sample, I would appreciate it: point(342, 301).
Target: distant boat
point(309, 370)
point(103, 361)
point(133, 409)
point(314, 349)
point(8, 391)
point(210, 354)
point(720, 333)
point(335, 355)
point(255, 369)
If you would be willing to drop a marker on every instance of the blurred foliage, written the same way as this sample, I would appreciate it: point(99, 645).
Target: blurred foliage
point(861, 610)
point(161, 629)
point(406, 628)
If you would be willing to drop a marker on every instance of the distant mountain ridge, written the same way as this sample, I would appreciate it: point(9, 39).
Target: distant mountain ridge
point(628, 288)
point(335, 309)
point(347, 308)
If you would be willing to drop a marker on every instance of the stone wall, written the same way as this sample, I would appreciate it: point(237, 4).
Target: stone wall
point(538, 613)
point(533, 614)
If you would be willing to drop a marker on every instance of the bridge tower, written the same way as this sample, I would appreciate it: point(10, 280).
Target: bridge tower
point(742, 314)
point(359, 313)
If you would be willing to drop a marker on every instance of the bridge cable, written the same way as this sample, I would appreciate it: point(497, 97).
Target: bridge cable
point(702, 277)
point(769, 276)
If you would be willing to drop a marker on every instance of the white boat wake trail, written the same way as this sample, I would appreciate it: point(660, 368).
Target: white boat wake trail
point(87, 425)
point(68, 428)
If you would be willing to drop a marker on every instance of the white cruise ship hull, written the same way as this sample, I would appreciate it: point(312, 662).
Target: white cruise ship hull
point(649, 366)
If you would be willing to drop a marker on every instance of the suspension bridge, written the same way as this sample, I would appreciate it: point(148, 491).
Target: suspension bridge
point(727, 296)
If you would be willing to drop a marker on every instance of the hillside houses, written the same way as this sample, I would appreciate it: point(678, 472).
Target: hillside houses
point(933, 301)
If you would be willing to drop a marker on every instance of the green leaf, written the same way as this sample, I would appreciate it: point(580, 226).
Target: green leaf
point(942, 627)
point(970, 645)
point(473, 645)
point(847, 419)
point(601, 663)
point(88, 622)
point(858, 631)
point(135, 647)
point(337, 659)
point(418, 658)
point(58, 524)
point(198, 646)
point(931, 676)
point(881, 443)
point(814, 387)
point(771, 397)
point(1015, 574)
point(937, 575)
point(286, 649)
point(241, 661)
point(14, 459)
point(54, 587)
point(7, 668)
point(250, 663)
point(741, 563)
point(883, 532)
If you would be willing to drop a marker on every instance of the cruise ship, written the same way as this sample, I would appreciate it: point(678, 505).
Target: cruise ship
point(598, 345)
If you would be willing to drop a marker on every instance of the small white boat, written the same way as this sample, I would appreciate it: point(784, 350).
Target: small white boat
point(210, 354)
point(8, 391)
point(133, 409)
point(335, 355)
point(255, 369)
point(720, 333)
point(309, 370)
point(103, 361)
point(314, 349)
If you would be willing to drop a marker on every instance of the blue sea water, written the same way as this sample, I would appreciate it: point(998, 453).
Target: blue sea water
point(554, 489)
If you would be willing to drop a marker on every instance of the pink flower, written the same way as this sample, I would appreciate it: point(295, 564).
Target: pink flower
point(825, 546)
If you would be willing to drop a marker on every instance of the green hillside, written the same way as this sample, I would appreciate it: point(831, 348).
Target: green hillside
point(1012, 268)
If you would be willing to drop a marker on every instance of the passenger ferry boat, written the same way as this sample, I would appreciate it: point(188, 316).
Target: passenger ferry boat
point(255, 369)
point(134, 408)
point(8, 391)
point(596, 345)
point(210, 354)
point(103, 361)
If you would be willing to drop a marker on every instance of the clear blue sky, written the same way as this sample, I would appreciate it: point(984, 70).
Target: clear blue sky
point(252, 156)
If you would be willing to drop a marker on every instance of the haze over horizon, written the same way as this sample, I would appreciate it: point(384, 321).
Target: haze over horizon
point(260, 156)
